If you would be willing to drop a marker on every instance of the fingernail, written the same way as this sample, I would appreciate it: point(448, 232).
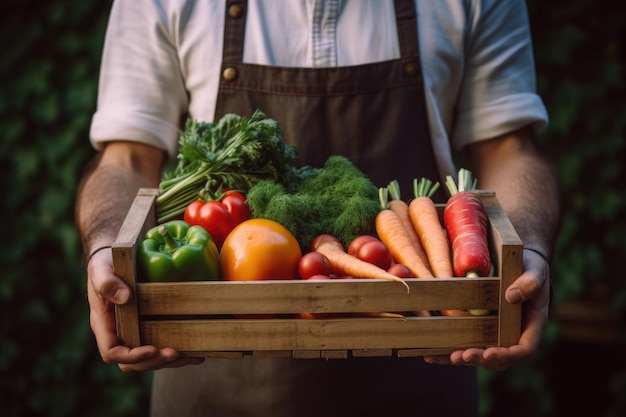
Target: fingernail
point(515, 296)
point(121, 295)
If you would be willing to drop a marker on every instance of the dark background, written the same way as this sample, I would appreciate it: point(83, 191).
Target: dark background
point(49, 364)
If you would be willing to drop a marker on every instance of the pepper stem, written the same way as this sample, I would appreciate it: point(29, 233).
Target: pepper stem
point(170, 243)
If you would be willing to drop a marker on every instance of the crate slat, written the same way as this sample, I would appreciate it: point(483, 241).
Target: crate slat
point(294, 296)
point(327, 334)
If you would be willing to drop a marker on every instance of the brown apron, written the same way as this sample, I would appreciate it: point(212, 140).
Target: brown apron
point(375, 115)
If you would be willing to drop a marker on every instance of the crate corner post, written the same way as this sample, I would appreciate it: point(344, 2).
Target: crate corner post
point(139, 218)
point(126, 315)
point(508, 246)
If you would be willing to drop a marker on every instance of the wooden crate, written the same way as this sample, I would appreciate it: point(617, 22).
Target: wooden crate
point(196, 317)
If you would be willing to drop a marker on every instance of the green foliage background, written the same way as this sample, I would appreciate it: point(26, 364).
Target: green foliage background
point(48, 80)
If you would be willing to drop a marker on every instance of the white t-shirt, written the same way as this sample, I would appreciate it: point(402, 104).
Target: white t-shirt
point(161, 62)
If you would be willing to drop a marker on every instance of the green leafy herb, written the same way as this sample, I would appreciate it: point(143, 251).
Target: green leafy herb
point(338, 200)
point(235, 152)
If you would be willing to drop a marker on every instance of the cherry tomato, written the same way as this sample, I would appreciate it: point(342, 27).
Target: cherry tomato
point(319, 277)
point(357, 242)
point(341, 276)
point(323, 239)
point(375, 252)
point(237, 206)
point(314, 263)
point(400, 270)
point(213, 216)
point(260, 249)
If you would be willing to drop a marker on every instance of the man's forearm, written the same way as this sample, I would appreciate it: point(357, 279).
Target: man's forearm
point(532, 202)
point(526, 186)
point(107, 191)
point(103, 199)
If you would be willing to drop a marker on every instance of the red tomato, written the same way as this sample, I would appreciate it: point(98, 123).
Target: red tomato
point(357, 242)
point(340, 276)
point(318, 277)
point(213, 216)
point(375, 252)
point(314, 263)
point(400, 270)
point(323, 239)
point(237, 206)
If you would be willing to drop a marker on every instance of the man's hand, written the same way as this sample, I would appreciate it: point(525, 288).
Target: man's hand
point(532, 289)
point(104, 290)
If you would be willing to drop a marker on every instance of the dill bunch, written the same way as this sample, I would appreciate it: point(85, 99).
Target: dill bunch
point(338, 199)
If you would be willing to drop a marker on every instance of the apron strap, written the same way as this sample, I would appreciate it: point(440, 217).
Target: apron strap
point(234, 30)
point(407, 27)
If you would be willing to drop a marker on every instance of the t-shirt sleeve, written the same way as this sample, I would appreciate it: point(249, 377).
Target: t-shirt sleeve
point(498, 91)
point(141, 92)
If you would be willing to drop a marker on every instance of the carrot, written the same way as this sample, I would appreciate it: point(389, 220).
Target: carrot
point(402, 210)
point(350, 265)
point(455, 313)
point(425, 219)
point(465, 219)
point(393, 233)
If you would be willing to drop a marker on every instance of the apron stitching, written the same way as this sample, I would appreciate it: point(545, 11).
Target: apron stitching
point(236, 87)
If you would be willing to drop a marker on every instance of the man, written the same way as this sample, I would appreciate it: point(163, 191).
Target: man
point(396, 87)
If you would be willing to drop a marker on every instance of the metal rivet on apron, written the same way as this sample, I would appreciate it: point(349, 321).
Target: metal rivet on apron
point(229, 74)
point(235, 10)
point(410, 69)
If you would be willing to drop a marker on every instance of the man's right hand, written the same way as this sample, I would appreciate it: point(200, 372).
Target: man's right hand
point(104, 290)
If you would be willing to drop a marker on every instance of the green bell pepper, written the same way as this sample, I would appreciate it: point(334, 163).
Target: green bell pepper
point(176, 251)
